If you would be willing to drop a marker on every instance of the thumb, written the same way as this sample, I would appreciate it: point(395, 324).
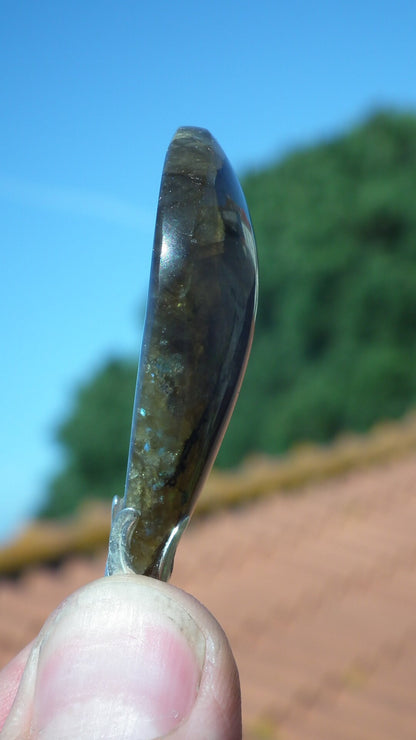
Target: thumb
point(128, 657)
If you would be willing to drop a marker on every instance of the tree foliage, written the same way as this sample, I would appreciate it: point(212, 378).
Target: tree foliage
point(95, 438)
point(335, 342)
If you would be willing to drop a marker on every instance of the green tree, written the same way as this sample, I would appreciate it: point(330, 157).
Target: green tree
point(335, 342)
point(95, 439)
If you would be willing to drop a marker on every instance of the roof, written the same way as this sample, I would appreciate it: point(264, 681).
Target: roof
point(315, 590)
point(259, 476)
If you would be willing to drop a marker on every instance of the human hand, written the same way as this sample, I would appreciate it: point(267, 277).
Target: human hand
point(126, 657)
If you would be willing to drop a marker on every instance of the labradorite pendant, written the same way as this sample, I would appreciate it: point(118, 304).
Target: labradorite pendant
point(198, 330)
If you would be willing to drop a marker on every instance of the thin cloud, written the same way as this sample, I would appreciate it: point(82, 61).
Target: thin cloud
point(76, 200)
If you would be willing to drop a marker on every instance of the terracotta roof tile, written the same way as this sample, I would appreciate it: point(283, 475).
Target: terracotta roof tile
point(316, 592)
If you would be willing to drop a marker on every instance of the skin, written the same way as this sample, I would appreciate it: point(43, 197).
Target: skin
point(124, 657)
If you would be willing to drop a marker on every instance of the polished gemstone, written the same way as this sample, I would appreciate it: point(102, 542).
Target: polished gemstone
point(198, 331)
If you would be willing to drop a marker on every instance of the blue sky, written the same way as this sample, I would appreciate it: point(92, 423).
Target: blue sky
point(91, 93)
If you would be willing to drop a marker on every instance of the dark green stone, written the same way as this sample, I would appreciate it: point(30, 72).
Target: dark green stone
point(198, 331)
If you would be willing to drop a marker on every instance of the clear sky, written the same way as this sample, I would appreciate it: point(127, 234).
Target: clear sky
point(91, 92)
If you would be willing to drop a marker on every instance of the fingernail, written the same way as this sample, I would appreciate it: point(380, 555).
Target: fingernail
point(127, 666)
